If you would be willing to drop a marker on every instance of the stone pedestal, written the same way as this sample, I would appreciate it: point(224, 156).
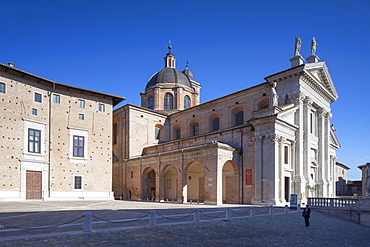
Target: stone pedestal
point(313, 59)
point(365, 211)
point(296, 61)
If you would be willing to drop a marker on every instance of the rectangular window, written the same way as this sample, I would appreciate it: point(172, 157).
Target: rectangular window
point(115, 133)
point(34, 141)
point(34, 112)
point(56, 98)
point(157, 133)
point(81, 116)
point(101, 107)
point(216, 124)
point(196, 129)
point(77, 183)
point(286, 153)
point(2, 87)
point(239, 118)
point(132, 174)
point(178, 133)
point(81, 103)
point(78, 146)
point(38, 97)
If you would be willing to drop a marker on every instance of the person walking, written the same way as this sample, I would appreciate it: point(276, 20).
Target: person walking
point(306, 214)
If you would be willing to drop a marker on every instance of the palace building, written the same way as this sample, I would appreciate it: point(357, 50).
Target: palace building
point(55, 139)
point(256, 146)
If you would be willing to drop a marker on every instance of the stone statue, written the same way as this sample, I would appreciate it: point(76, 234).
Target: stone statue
point(367, 183)
point(297, 46)
point(273, 95)
point(313, 46)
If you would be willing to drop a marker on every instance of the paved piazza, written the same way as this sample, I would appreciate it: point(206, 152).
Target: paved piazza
point(175, 226)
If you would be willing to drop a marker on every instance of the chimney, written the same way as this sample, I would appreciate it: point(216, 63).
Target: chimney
point(11, 64)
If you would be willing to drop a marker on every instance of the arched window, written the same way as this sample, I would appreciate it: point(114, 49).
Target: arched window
point(168, 101)
point(239, 118)
point(187, 103)
point(151, 103)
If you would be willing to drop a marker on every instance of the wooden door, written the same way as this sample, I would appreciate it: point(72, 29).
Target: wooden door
point(33, 185)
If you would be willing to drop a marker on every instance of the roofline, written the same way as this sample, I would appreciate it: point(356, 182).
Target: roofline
point(225, 96)
point(343, 166)
point(116, 99)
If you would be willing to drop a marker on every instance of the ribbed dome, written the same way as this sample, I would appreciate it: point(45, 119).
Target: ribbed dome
point(170, 76)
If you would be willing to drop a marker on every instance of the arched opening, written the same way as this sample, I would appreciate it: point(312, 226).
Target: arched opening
point(158, 132)
point(151, 103)
point(214, 122)
point(230, 183)
point(176, 132)
point(195, 182)
point(263, 104)
point(238, 116)
point(168, 101)
point(170, 183)
point(194, 127)
point(149, 184)
point(187, 102)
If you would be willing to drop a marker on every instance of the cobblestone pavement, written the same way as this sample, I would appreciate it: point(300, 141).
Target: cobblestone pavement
point(266, 230)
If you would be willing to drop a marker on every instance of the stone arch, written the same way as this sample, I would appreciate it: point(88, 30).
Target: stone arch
point(170, 180)
point(148, 178)
point(194, 182)
point(230, 182)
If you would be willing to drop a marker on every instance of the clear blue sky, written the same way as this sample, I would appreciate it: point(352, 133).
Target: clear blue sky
point(115, 46)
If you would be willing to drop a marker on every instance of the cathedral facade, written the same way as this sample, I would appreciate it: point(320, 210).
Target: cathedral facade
point(260, 145)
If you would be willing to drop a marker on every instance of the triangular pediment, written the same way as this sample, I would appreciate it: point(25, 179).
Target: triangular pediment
point(321, 79)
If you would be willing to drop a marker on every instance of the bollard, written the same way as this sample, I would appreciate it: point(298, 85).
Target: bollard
point(253, 211)
point(228, 213)
point(172, 201)
point(198, 202)
point(271, 210)
point(152, 218)
point(299, 207)
point(196, 215)
point(87, 222)
point(191, 201)
point(167, 200)
point(286, 209)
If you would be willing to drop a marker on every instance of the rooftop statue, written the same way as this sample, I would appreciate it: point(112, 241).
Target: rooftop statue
point(273, 95)
point(297, 46)
point(313, 46)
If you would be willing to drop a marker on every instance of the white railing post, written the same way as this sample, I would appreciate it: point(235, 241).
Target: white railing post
point(271, 210)
point(152, 218)
point(196, 215)
point(253, 211)
point(228, 213)
point(87, 222)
